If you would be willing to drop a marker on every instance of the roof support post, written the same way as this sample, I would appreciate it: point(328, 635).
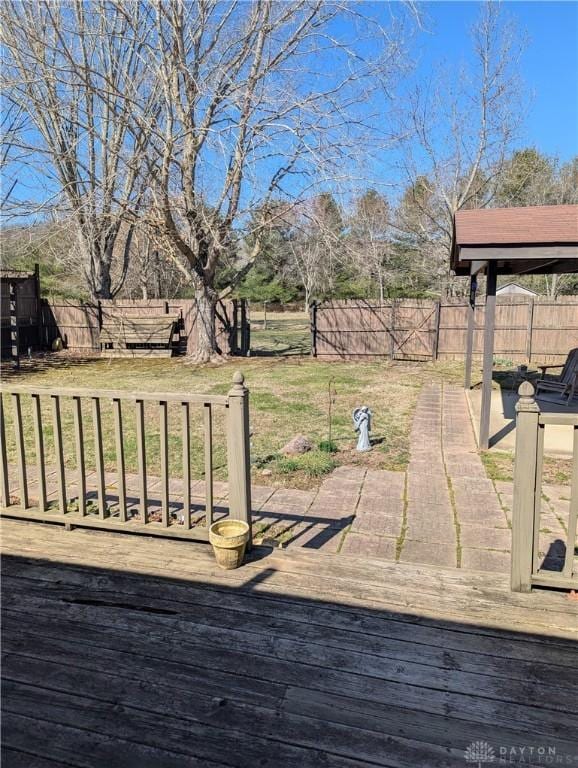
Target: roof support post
point(489, 326)
point(470, 332)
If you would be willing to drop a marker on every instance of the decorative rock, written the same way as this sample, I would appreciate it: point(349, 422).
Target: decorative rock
point(298, 445)
point(267, 472)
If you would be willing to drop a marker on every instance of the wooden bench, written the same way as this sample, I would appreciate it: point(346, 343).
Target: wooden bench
point(144, 336)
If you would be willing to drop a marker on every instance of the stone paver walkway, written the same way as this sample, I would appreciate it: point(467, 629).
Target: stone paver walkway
point(355, 511)
point(430, 535)
point(553, 520)
point(443, 511)
point(454, 516)
point(482, 528)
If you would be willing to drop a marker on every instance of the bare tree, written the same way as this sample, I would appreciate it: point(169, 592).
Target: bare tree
point(462, 128)
point(191, 115)
point(568, 183)
point(527, 178)
point(12, 124)
point(315, 246)
point(259, 100)
point(369, 240)
point(74, 69)
point(152, 273)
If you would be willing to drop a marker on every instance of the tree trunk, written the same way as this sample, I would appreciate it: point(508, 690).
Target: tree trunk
point(102, 283)
point(96, 269)
point(157, 271)
point(207, 350)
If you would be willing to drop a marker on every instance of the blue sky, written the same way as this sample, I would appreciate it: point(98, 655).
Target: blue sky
point(549, 71)
point(549, 66)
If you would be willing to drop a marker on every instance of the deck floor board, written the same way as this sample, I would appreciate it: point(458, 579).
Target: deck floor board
point(124, 650)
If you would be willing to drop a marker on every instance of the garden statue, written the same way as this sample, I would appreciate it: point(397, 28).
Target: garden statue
point(362, 424)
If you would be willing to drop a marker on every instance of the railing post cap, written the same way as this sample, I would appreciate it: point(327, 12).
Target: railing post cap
point(238, 387)
point(527, 401)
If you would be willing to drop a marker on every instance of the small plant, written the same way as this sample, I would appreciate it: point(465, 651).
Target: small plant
point(91, 506)
point(499, 465)
point(263, 461)
point(317, 464)
point(286, 465)
point(328, 446)
point(313, 464)
point(560, 477)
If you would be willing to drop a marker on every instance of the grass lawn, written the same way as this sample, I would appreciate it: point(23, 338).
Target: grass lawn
point(499, 465)
point(288, 396)
point(285, 333)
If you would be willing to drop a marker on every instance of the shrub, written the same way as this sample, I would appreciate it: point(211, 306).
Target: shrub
point(328, 446)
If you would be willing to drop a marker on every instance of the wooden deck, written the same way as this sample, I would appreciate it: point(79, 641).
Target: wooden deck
point(123, 651)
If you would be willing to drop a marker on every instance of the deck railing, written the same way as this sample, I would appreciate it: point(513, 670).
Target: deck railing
point(527, 567)
point(95, 509)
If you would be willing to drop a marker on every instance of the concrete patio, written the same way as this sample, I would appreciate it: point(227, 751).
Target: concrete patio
point(557, 439)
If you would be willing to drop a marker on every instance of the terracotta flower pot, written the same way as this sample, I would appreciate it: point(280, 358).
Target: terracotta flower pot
point(229, 539)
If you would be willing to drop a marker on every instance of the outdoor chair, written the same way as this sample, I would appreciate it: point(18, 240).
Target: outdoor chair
point(566, 383)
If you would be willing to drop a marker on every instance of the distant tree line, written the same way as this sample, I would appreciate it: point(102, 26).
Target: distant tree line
point(375, 248)
point(370, 247)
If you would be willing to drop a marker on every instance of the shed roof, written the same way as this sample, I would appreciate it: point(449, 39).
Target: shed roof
point(515, 288)
point(542, 238)
point(16, 275)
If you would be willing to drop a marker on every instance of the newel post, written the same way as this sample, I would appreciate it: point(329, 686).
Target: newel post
point(238, 451)
point(526, 458)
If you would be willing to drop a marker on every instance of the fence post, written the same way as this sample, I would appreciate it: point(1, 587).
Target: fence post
point(530, 330)
point(38, 307)
point(436, 338)
point(238, 452)
point(392, 330)
point(245, 330)
point(313, 327)
point(526, 460)
point(229, 324)
point(471, 310)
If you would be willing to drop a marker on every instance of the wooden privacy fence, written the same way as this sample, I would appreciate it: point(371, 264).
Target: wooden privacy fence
point(79, 324)
point(73, 505)
point(531, 330)
point(527, 563)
